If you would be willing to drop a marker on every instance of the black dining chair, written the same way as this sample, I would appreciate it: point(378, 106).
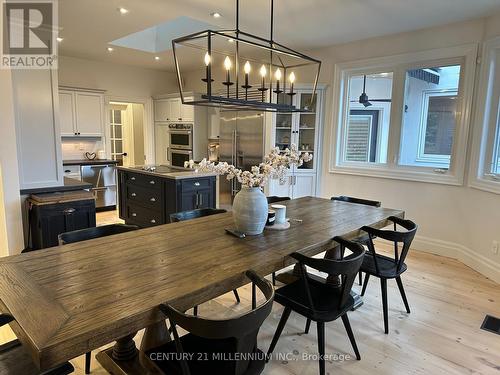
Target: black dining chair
point(209, 343)
point(363, 239)
point(89, 234)
point(270, 200)
point(385, 267)
point(14, 360)
point(194, 214)
point(276, 199)
point(318, 300)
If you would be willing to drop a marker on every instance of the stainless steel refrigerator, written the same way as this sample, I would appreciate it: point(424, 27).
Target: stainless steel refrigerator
point(242, 145)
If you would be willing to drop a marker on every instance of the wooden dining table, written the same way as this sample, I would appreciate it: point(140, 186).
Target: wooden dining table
point(71, 299)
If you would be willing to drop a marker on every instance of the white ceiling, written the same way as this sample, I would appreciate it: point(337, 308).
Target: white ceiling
point(89, 25)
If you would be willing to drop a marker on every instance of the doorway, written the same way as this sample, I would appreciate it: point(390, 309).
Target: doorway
point(127, 133)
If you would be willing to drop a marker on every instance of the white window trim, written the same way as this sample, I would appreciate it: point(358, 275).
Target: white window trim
point(478, 179)
point(421, 155)
point(399, 64)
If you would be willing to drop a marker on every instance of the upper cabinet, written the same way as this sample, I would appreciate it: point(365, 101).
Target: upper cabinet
point(81, 113)
point(172, 110)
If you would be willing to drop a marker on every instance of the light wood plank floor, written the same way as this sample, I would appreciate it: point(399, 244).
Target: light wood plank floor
point(441, 335)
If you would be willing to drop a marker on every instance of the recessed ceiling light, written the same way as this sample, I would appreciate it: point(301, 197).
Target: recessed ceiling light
point(123, 10)
point(110, 49)
point(59, 39)
point(215, 15)
point(157, 58)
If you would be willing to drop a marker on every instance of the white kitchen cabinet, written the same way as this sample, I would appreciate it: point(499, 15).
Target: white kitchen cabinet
point(81, 113)
point(67, 113)
point(172, 110)
point(89, 114)
point(303, 129)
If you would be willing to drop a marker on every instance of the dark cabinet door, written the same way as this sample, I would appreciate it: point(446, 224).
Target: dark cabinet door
point(48, 221)
point(204, 199)
point(189, 201)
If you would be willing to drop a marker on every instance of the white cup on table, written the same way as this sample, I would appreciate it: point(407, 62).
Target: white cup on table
point(280, 213)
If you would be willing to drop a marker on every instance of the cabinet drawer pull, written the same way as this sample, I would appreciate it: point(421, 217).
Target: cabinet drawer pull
point(132, 178)
point(152, 182)
point(196, 184)
point(153, 221)
point(134, 214)
point(134, 194)
point(69, 211)
point(153, 199)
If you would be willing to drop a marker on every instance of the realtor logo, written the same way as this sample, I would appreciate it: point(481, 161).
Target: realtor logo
point(29, 34)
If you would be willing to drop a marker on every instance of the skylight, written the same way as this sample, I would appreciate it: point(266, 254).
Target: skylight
point(158, 38)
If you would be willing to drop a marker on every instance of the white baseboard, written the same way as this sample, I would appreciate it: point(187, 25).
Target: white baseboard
point(459, 252)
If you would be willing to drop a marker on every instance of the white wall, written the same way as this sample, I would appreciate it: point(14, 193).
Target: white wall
point(11, 230)
point(116, 79)
point(455, 221)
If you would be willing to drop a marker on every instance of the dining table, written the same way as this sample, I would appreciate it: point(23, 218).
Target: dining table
point(71, 299)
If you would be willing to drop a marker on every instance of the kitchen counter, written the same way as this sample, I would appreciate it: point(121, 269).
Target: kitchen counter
point(167, 172)
point(89, 162)
point(70, 184)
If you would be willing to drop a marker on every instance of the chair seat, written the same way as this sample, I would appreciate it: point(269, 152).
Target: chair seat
point(14, 360)
point(387, 266)
point(204, 357)
point(326, 299)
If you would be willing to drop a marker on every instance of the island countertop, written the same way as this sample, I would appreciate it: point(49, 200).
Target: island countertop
point(168, 172)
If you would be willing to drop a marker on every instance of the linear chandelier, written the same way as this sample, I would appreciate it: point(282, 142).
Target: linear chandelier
point(266, 82)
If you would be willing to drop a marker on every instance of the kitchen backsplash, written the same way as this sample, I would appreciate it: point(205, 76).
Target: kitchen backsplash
point(76, 149)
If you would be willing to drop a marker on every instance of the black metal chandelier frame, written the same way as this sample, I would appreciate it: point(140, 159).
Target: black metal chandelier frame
point(246, 97)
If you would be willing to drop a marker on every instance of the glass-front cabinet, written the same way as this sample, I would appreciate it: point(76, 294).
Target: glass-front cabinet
point(301, 129)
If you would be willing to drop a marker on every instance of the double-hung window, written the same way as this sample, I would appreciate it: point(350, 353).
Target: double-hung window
point(404, 116)
point(485, 166)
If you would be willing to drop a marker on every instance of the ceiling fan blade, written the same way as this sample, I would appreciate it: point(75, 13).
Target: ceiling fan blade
point(367, 104)
point(381, 100)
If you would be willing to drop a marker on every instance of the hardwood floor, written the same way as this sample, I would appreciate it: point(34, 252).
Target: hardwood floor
point(441, 335)
point(108, 217)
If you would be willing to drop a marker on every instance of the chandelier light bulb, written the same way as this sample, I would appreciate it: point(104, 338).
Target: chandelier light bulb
point(292, 77)
point(277, 75)
point(247, 67)
point(227, 63)
point(207, 59)
point(263, 71)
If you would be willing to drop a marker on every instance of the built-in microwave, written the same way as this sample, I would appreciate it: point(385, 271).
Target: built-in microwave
point(177, 157)
point(180, 136)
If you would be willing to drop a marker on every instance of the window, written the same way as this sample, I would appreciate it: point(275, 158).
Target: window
point(430, 113)
point(405, 116)
point(485, 165)
point(367, 129)
point(116, 135)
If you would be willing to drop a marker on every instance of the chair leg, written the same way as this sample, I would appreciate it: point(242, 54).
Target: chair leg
point(365, 284)
point(383, 285)
point(308, 325)
point(403, 294)
point(277, 334)
point(360, 278)
point(236, 295)
point(348, 329)
point(274, 278)
point(254, 297)
point(195, 310)
point(88, 358)
point(321, 346)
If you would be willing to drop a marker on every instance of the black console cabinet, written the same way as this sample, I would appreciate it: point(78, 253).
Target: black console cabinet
point(47, 221)
point(148, 200)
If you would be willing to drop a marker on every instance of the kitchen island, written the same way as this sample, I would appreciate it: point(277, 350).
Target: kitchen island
point(147, 196)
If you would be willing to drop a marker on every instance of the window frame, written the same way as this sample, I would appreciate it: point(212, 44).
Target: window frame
point(421, 155)
point(465, 55)
point(483, 146)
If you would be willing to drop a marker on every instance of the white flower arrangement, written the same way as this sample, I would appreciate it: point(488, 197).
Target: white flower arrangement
point(275, 166)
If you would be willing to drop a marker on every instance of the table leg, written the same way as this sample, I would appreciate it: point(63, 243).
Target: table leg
point(124, 348)
point(154, 336)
